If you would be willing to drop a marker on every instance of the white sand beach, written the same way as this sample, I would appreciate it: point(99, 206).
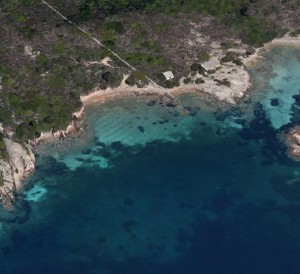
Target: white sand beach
point(237, 77)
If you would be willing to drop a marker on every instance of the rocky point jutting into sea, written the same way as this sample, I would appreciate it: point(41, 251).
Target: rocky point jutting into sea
point(14, 170)
point(20, 162)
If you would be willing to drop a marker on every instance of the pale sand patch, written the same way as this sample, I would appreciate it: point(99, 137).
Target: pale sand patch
point(237, 76)
point(105, 61)
point(239, 79)
point(286, 40)
point(101, 96)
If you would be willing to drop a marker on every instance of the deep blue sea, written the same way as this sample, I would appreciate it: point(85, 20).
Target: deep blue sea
point(154, 189)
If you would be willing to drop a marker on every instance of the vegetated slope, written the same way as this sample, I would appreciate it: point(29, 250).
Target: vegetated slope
point(44, 61)
point(43, 68)
point(255, 21)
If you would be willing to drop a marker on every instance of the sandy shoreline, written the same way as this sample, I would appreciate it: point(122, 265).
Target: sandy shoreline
point(286, 40)
point(239, 88)
point(230, 94)
point(102, 96)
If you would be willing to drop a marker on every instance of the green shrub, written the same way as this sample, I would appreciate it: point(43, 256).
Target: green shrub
point(115, 26)
point(227, 44)
point(56, 81)
point(42, 59)
point(2, 143)
point(295, 33)
point(3, 152)
point(195, 67)
point(60, 47)
point(7, 81)
point(186, 81)
point(203, 56)
point(199, 81)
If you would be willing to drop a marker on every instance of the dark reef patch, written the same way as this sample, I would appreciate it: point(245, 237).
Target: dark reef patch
point(141, 129)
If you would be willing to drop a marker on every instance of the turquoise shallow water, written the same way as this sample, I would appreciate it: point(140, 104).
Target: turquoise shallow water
point(156, 189)
point(277, 79)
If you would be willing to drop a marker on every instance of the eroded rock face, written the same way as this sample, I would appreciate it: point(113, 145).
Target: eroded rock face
point(7, 187)
point(292, 141)
point(20, 163)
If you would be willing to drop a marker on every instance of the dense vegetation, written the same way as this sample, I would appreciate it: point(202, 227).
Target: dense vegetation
point(40, 92)
point(3, 152)
point(232, 13)
point(42, 72)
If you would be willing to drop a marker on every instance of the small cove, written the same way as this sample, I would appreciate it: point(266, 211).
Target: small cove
point(152, 189)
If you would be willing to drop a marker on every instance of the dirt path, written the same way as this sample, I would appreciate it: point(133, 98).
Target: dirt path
point(103, 46)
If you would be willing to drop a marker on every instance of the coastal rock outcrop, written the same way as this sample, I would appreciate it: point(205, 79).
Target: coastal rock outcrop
point(7, 185)
point(21, 159)
point(73, 127)
point(292, 141)
point(19, 164)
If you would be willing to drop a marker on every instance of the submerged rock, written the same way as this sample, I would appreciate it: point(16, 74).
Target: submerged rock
point(151, 103)
point(141, 129)
point(86, 151)
point(116, 145)
point(19, 213)
point(105, 153)
point(100, 144)
point(240, 121)
point(297, 99)
point(274, 102)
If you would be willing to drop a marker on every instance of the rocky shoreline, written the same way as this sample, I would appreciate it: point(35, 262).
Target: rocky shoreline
point(21, 161)
point(292, 141)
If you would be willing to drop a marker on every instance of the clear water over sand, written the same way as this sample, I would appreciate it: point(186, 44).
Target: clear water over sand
point(277, 79)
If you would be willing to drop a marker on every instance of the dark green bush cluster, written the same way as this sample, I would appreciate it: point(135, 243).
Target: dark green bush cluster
point(38, 102)
point(108, 32)
point(230, 12)
point(214, 7)
point(295, 33)
point(203, 56)
point(136, 58)
point(3, 152)
point(136, 78)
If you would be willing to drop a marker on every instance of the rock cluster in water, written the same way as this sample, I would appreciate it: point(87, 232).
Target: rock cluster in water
point(292, 141)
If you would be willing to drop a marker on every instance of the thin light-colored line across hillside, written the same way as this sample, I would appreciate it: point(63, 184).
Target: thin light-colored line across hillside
point(102, 45)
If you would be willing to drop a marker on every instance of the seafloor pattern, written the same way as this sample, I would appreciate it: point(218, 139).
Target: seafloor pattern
point(157, 189)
